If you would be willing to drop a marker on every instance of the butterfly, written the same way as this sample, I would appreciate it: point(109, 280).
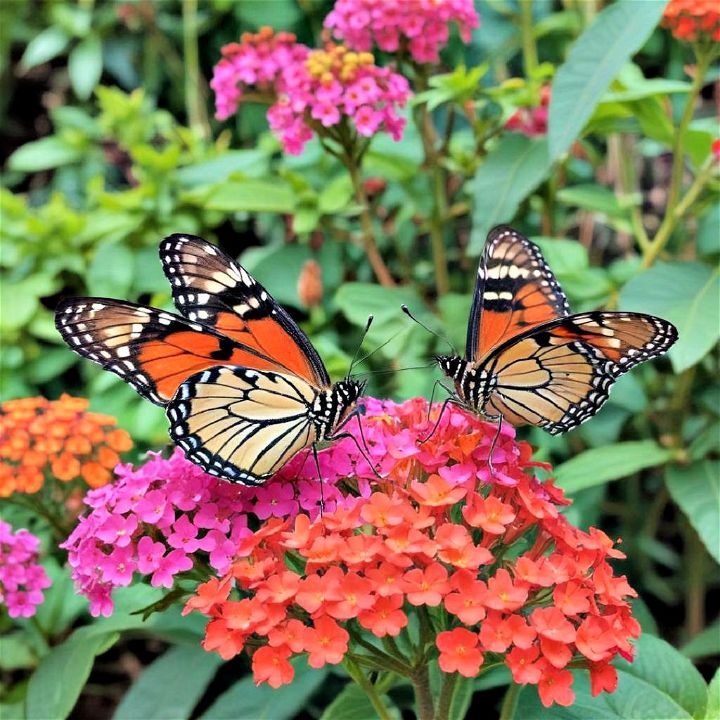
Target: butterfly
point(242, 386)
point(527, 359)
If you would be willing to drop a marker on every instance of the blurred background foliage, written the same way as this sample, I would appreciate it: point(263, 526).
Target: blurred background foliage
point(109, 143)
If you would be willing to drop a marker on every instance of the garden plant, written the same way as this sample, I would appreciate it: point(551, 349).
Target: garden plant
point(423, 560)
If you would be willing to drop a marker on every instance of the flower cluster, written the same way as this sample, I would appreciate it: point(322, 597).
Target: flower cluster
point(59, 436)
point(422, 26)
point(22, 580)
point(489, 562)
point(693, 20)
point(312, 90)
point(531, 121)
point(257, 61)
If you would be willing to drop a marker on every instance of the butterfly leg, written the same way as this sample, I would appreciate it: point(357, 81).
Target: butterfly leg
point(448, 401)
point(342, 435)
point(499, 419)
point(320, 478)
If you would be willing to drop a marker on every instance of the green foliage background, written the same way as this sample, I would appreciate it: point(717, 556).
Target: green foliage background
point(110, 145)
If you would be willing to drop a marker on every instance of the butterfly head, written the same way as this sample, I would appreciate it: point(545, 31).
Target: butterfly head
point(452, 365)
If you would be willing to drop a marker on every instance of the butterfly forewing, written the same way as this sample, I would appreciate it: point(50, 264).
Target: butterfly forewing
point(559, 374)
point(515, 290)
point(210, 287)
point(242, 424)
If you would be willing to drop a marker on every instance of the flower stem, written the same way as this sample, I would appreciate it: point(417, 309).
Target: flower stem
point(447, 693)
point(655, 247)
point(509, 704)
point(364, 682)
point(696, 579)
point(196, 110)
point(423, 698)
point(371, 249)
point(529, 49)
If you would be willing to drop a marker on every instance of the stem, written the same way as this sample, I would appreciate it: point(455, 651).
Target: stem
point(678, 166)
point(383, 659)
point(196, 110)
point(696, 580)
point(628, 186)
point(423, 698)
point(362, 680)
point(371, 250)
point(507, 711)
point(529, 48)
point(447, 693)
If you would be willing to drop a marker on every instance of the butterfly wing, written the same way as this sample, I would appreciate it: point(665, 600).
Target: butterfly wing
point(242, 424)
point(152, 350)
point(211, 288)
point(558, 375)
point(515, 290)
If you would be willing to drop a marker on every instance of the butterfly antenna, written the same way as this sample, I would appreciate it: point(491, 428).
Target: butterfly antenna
point(406, 310)
point(362, 340)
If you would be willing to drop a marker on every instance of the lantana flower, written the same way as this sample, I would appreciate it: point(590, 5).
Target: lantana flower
point(532, 121)
point(326, 91)
point(59, 438)
point(22, 578)
point(693, 20)
point(423, 26)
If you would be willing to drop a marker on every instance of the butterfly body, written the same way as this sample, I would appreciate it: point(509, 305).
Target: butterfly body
point(527, 359)
point(243, 387)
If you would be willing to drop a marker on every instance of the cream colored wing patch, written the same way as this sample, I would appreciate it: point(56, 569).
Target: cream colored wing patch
point(242, 424)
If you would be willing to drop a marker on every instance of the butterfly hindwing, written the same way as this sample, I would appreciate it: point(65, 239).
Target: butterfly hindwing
point(242, 424)
point(210, 287)
point(559, 374)
point(515, 290)
point(152, 350)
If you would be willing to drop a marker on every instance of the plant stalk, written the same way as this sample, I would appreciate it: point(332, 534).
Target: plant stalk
point(196, 110)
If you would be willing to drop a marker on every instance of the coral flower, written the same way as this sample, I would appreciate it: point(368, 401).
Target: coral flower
point(459, 652)
point(693, 20)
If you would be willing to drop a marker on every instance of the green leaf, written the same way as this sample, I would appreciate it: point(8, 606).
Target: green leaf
point(61, 675)
point(43, 47)
point(170, 688)
point(696, 489)
point(565, 257)
point(688, 295)
point(602, 464)
point(703, 644)
point(352, 703)
point(713, 704)
point(509, 173)
point(17, 651)
point(594, 198)
point(660, 685)
point(24, 299)
point(62, 605)
point(44, 154)
point(111, 270)
point(708, 234)
point(249, 196)
point(336, 195)
point(85, 66)
point(594, 60)
point(246, 700)
point(249, 162)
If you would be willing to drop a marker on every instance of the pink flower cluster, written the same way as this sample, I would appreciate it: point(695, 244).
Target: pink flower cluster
point(22, 579)
point(257, 61)
point(312, 90)
point(422, 25)
point(532, 121)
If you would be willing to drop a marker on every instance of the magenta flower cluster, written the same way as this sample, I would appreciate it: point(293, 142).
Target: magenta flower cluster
point(166, 516)
point(423, 26)
point(22, 579)
point(311, 90)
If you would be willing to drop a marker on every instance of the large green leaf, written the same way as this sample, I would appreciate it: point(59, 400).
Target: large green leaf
point(44, 154)
point(44, 46)
point(353, 703)
point(660, 685)
point(170, 688)
point(85, 66)
point(688, 295)
point(245, 196)
point(595, 59)
point(704, 643)
point(696, 489)
point(510, 172)
point(713, 706)
point(246, 700)
point(60, 677)
point(602, 464)
point(111, 270)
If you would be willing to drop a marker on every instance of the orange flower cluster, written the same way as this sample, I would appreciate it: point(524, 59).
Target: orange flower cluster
point(494, 568)
point(693, 20)
point(59, 436)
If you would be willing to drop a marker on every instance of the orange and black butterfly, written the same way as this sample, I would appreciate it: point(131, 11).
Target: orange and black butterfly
point(243, 387)
point(527, 359)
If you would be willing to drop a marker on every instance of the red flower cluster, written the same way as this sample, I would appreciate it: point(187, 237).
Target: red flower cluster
point(494, 567)
point(532, 121)
point(693, 20)
point(60, 436)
